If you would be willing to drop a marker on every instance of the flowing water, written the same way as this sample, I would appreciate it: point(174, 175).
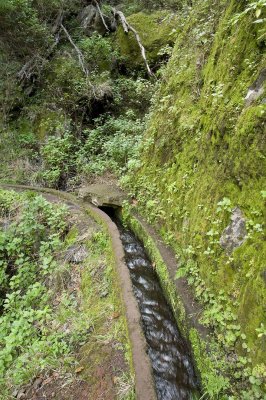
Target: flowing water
point(173, 370)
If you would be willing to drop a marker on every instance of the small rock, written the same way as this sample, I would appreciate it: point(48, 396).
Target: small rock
point(104, 293)
point(103, 195)
point(87, 17)
point(76, 254)
point(115, 315)
point(79, 370)
point(234, 234)
point(15, 393)
point(21, 394)
point(91, 21)
point(257, 89)
point(115, 379)
point(37, 383)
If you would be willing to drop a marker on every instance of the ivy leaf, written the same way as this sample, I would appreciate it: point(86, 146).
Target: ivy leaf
point(258, 12)
point(263, 193)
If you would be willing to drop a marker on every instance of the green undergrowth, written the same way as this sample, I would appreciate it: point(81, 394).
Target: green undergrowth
point(204, 155)
point(52, 309)
point(59, 125)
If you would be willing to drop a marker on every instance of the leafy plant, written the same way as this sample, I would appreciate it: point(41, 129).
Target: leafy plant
point(27, 249)
point(58, 155)
point(110, 145)
point(256, 8)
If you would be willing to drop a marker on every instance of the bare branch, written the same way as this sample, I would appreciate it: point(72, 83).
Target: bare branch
point(29, 68)
point(101, 15)
point(79, 53)
point(142, 49)
point(122, 19)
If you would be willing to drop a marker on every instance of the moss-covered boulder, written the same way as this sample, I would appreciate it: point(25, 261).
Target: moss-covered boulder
point(155, 31)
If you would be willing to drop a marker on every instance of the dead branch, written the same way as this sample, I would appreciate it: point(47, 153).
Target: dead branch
point(101, 15)
point(127, 27)
point(142, 49)
point(58, 22)
point(32, 68)
point(122, 19)
point(79, 53)
point(35, 65)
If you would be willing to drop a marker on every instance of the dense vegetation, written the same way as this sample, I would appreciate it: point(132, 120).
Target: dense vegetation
point(31, 232)
point(67, 90)
point(78, 106)
point(48, 309)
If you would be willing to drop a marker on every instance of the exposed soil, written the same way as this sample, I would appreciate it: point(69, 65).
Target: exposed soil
point(55, 387)
point(100, 385)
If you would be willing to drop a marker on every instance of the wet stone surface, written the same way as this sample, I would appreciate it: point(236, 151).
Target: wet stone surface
point(172, 366)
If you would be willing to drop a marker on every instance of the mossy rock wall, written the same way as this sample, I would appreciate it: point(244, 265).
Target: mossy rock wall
point(204, 145)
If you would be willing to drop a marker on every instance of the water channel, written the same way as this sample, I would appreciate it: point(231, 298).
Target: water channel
point(173, 369)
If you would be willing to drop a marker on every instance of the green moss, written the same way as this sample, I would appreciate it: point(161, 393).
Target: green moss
point(71, 236)
point(212, 382)
point(49, 122)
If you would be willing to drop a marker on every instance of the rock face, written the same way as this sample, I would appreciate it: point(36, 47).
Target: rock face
point(154, 30)
point(90, 20)
point(103, 195)
point(234, 234)
point(257, 89)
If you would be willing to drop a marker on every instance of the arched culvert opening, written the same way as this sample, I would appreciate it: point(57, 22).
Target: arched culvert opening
point(114, 212)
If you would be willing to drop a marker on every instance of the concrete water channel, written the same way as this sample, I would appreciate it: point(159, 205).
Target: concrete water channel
point(172, 365)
